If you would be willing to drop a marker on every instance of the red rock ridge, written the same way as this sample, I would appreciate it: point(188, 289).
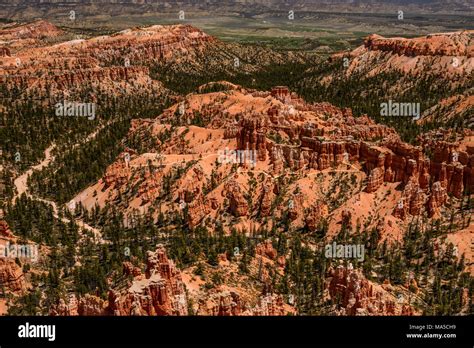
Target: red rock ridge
point(161, 292)
point(443, 44)
point(355, 295)
point(230, 303)
point(103, 61)
point(390, 160)
point(5, 229)
point(11, 275)
point(36, 30)
point(238, 203)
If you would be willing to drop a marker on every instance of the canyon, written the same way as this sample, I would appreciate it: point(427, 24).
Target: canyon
point(180, 223)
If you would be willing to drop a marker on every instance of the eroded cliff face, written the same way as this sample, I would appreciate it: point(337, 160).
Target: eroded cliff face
point(5, 229)
point(157, 42)
point(230, 303)
point(284, 135)
point(238, 203)
point(17, 36)
point(111, 64)
point(11, 275)
point(427, 182)
point(353, 294)
point(443, 44)
point(450, 53)
point(160, 292)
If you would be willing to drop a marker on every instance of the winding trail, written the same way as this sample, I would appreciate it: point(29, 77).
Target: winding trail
point(21, 185)
point(21, 181)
